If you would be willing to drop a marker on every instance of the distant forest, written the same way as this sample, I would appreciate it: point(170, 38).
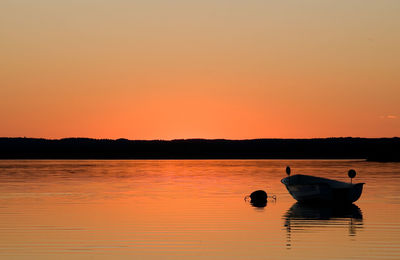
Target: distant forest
point(382, 149)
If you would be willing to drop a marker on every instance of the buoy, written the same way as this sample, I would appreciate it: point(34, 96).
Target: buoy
point(258, 195)
point(352, 173)
point(288, 170)
point(258, 199)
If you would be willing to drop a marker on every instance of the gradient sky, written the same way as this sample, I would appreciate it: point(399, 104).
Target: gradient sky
point(156, 69)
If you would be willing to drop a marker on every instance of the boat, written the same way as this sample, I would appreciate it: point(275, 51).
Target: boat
point(311, 189)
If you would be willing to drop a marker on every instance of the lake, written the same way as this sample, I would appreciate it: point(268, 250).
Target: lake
point(191, 209)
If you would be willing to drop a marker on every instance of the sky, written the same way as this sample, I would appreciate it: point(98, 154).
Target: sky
point(235, 69)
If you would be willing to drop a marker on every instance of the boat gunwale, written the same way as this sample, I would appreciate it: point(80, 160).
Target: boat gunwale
point(301, 179)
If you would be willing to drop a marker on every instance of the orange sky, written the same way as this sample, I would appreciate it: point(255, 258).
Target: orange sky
point(188, 69)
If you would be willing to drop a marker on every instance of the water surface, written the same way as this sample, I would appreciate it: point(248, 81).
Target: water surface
point(183, 209)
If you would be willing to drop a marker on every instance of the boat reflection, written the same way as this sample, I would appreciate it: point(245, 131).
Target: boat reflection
point(308, 218)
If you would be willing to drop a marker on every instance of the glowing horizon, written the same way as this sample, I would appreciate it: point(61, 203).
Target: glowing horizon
point(188, 69)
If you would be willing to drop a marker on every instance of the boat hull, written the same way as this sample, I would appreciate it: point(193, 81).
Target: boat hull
point(310, 189)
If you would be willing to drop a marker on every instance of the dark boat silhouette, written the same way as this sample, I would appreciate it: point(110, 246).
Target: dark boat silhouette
point(311, 189)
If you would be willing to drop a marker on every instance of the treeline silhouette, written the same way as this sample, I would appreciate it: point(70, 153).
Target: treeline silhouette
point(379, 149)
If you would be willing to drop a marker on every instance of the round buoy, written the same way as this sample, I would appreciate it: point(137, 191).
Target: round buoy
point(258, 199)
point(352, 173)
point(258, 195)
point(287, 170)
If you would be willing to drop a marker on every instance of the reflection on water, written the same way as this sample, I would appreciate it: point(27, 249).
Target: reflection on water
point(259, 204)
point(308, 217)
point(190, 209)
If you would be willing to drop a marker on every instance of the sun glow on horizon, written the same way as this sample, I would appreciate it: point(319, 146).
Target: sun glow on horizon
point(189, 69)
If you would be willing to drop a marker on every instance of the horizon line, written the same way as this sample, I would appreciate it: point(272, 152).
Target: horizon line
point(199, 138)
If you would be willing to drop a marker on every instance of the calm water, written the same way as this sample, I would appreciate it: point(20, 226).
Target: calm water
point(190, 210)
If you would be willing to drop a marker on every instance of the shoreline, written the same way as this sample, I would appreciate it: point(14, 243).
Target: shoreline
point(370, 149)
